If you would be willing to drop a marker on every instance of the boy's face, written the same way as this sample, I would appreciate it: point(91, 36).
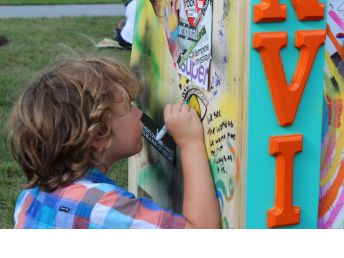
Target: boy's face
point(128, 128)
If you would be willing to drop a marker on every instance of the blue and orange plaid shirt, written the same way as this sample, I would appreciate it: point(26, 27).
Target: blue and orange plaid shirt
point(94, 202)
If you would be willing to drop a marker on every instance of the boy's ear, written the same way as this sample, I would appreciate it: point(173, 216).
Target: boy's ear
point(98, 141)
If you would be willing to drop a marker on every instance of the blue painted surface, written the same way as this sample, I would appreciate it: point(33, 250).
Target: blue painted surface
point(262, 123)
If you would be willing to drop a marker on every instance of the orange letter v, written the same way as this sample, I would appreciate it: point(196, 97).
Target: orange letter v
point(286, 98)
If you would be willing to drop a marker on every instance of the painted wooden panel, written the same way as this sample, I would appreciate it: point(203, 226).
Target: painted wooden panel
point(221, 106)
point(331, 192)
point(263, 123)
point(238, 113)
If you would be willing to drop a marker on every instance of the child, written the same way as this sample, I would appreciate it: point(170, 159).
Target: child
point(71, 125)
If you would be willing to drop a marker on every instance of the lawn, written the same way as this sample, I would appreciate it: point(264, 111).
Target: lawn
point(32, 45)
point(37, 2)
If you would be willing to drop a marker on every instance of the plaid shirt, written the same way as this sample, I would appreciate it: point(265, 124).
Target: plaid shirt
point(94, 202)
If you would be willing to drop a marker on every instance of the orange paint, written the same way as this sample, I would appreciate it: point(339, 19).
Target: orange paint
point(284, 148)
point(339, 47)
point(238, 164)
point(286, 97)
point(230, 199)
point(269, 11)
point(307, 10)
point(327, 201)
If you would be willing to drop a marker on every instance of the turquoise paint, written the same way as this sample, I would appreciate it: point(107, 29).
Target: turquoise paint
point(262, 123)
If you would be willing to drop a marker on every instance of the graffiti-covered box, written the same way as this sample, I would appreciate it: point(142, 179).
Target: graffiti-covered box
point(254, 72)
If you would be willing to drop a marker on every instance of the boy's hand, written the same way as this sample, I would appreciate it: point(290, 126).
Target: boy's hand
point(184, 124)
point(200, 206)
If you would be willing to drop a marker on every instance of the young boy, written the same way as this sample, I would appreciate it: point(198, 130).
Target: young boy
point(71, 125)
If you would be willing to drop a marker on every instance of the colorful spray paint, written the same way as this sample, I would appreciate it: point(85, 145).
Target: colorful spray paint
point(331, 192)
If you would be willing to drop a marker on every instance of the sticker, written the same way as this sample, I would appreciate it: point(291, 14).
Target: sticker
point(188, 32)
point(204, 9)
point(166, 146)
point(195, 9)
point(192, 46)
point(194, 64)
point(184, 20)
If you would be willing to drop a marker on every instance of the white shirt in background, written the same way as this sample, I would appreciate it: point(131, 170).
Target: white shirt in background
point(127, 31)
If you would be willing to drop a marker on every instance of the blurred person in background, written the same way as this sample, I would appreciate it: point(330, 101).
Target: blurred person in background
point(124, 32)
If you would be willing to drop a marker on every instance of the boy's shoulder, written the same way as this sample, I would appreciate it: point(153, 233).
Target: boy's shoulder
point(93, 202)
point(74, 202)
point(89, 192)
point(93, 186)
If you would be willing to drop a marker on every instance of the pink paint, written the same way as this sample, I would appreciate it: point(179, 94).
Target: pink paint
point(323, 144)
point(336, 19)
point(328, 156)
point(151, 160)
point(335, 108)
point(172, 36)
point(143, 164)
point(333, 213)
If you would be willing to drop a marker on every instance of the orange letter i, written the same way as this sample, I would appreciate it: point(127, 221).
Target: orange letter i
point(284, 148)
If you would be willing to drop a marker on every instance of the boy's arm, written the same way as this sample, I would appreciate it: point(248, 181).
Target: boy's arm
point(200, 207)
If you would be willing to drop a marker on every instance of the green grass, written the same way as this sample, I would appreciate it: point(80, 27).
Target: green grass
point(38, 2)
point(33, 44)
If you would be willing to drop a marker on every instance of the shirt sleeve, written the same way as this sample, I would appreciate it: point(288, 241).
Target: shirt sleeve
point(123, 210)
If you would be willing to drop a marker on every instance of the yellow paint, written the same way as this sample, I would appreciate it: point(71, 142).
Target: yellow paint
point(161, 6)
point(334, 72)
point(194, 104)
point(183, 81)
point(172, 22)
point(228, 99)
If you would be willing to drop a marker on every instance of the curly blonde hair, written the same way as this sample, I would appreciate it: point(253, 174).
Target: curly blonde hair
point(55, 119)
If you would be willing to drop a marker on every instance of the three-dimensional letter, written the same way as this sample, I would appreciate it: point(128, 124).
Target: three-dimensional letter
point(272, 10)
point(307, 10)
point(286, 97)
point(269, 11)
point(284, 148)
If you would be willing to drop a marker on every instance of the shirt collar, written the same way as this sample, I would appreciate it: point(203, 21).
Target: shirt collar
point(99, 177)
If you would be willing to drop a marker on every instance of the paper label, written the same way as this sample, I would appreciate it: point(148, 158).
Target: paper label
point(190, 39)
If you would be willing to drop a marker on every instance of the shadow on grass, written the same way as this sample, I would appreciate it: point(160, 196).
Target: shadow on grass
point(3, 41)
